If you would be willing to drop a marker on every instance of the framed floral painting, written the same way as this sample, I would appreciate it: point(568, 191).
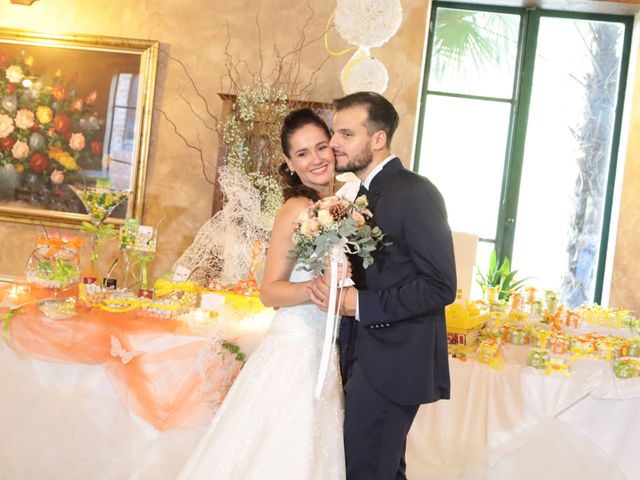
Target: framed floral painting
point(75, 114)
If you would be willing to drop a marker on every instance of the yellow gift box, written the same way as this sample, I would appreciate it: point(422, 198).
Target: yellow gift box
point(464, 323)
point(246, 304)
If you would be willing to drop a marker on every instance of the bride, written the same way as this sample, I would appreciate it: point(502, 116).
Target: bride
point(270, 427)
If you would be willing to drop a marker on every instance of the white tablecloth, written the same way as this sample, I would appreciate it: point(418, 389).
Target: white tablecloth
point(518, 423)
point(62, 421)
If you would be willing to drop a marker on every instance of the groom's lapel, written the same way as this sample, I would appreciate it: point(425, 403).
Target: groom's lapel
point(380, 179)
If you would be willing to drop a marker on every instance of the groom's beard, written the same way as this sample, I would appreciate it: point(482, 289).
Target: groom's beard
point(359, 162)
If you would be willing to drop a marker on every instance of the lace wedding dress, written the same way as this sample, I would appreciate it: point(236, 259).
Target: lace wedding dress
point(269, 426)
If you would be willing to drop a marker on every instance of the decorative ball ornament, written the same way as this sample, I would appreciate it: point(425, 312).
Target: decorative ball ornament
point(369, 23)
point(364, 75)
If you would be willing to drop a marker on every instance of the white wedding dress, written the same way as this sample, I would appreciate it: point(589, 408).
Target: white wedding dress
point(270, 426)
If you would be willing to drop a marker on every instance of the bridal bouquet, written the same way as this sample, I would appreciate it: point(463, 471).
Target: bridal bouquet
point(334, 222)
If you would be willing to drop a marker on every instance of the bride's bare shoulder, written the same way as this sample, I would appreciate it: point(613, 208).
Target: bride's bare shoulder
point(294, 205)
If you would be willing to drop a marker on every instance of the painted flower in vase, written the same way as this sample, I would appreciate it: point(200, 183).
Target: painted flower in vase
point(49, 131)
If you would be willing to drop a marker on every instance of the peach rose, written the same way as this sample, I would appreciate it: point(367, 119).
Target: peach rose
point(44, 114)
point(357, 216)
point(92, 97)
point(77, 141)
point(20, 150)
point(59, 92)
point(25, 119)
point(77, 104)
point(57, 177)
point(309, 227)
point(328, 202)
point(6, 125)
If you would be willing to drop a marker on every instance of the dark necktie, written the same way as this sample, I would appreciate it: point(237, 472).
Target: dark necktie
point(362, 191)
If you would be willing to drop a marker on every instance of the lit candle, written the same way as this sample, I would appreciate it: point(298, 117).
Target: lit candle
point(17, 294)
point(199, 316)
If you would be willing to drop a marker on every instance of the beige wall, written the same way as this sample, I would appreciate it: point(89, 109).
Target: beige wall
point(626, 272)
point(195, 32)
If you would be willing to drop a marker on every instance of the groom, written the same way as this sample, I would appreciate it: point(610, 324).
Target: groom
point(394, 346)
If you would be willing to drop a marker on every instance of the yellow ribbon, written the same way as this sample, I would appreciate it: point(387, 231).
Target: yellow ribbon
point(164, 287)
point(127, 305)
point(326, 40)
point(351, 64)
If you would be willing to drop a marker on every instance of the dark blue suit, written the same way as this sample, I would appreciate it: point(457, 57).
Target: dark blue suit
point(395, 357)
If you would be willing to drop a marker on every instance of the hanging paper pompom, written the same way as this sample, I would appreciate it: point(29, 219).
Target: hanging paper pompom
point(366, 75)
point(368, 23)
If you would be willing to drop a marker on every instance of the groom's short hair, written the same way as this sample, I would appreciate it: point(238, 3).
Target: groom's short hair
point(381, 113)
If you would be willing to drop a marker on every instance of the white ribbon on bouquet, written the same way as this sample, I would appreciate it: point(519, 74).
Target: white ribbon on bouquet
point(338, 259)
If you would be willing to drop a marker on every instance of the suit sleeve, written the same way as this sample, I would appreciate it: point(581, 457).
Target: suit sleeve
point(428, 238)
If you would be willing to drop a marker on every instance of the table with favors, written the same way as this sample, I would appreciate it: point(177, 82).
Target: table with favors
point(538, 391)
point(88, 363)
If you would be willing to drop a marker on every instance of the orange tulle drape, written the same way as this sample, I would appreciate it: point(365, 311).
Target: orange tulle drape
point(152, 362)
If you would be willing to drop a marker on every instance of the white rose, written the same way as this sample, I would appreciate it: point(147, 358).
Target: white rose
point(309, 227)
point(303, 215)
point(325, 218)
point(362, 201)
point(14, 74)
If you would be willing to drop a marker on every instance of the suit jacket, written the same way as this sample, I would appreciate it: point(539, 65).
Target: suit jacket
point(400, 340)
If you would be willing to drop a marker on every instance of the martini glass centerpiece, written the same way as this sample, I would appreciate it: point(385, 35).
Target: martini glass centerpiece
point(99, 204)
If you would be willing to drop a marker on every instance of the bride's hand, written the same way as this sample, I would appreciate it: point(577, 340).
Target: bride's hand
point(326, 277)
point(319, 287)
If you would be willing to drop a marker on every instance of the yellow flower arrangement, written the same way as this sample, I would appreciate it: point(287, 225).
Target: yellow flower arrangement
point(44, 114)
point(63, 158)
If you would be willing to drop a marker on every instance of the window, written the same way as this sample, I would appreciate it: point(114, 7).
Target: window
point(519, 128)
point(120, 134)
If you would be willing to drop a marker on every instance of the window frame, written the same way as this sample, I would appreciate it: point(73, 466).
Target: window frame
point(520, 103)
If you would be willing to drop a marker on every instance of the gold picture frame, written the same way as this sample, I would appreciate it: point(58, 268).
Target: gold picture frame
point(91, 103)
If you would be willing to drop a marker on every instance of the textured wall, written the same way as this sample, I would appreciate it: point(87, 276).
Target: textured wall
point(626, 274)
point(196, 33)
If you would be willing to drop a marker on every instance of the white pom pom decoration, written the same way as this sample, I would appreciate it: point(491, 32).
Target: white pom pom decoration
point(368, 23)
point(367, 75)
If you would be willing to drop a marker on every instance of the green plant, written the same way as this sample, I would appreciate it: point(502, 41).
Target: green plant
point(499, 276)
point(58, 271)
point(235, 350)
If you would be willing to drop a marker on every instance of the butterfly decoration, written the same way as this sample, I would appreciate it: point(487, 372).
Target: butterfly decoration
point(118, 351)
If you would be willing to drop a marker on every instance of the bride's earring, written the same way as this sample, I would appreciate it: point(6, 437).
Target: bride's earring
point(293, 172)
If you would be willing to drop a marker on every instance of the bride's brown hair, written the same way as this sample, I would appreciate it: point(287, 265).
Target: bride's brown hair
point(293, 186)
